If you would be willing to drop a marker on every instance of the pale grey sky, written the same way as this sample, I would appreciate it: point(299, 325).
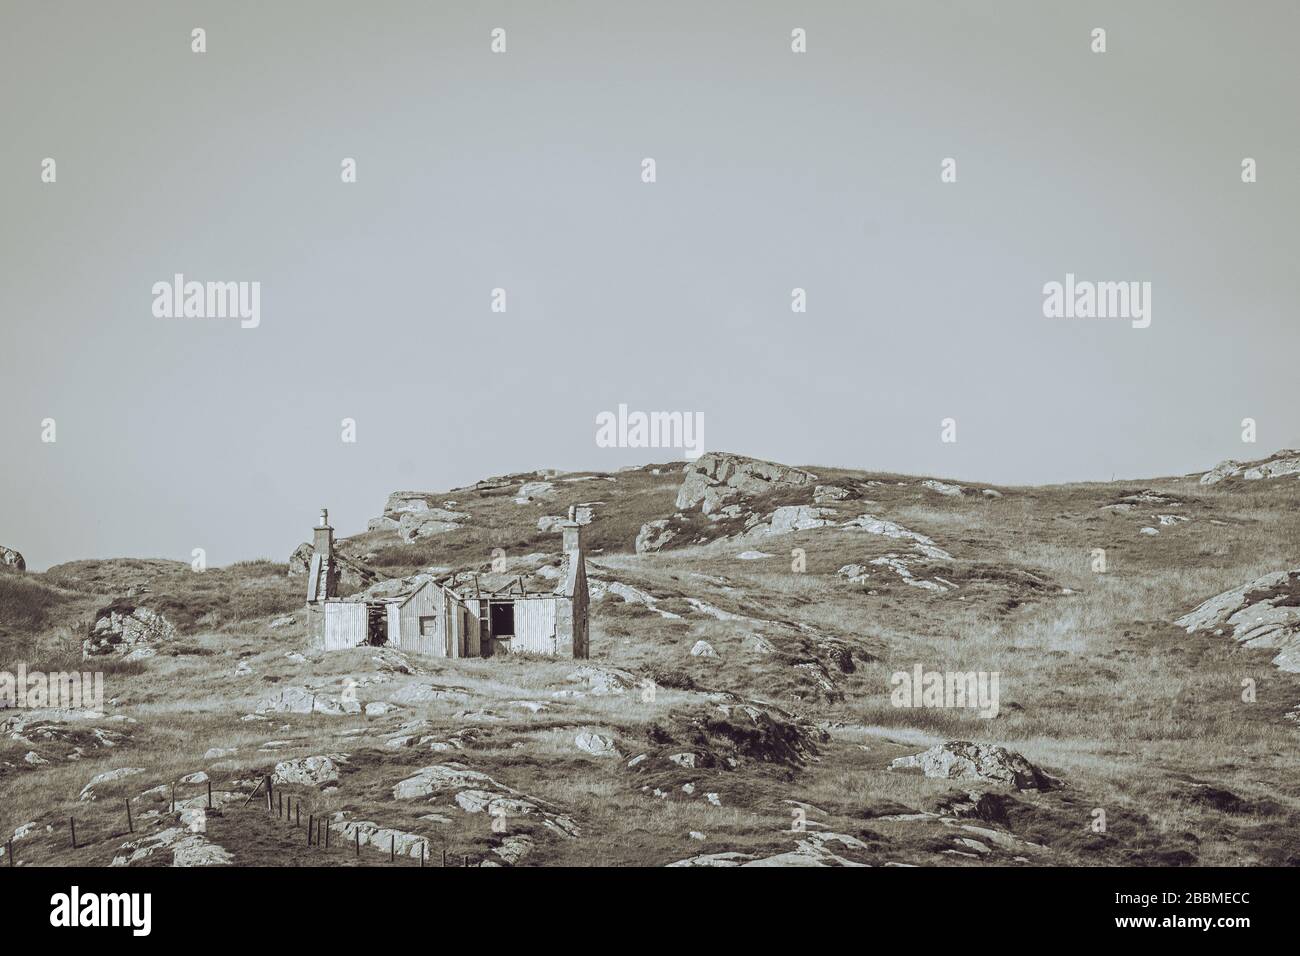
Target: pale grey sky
point(522, 170)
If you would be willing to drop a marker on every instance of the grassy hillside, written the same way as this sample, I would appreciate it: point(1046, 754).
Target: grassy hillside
point(777, 745)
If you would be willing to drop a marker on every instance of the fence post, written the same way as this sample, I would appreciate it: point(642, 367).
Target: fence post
point(421, 856)
point(357, 831)
point(268, 793)
point(392, 848)
point(209, 794)
point(444, 856)
point(297, 813)
point(327, 834)
point(73, 824)
point(11, 851)
point(311, 824)
point(130, 826)
point(173, 796)
point(280, 806)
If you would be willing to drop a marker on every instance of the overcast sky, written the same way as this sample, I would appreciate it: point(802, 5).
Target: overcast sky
point(523, 171)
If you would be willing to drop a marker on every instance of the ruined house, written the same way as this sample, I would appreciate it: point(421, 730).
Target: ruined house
point(462, 615)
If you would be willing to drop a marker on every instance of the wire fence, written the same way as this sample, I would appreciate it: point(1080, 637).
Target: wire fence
point(319, 830)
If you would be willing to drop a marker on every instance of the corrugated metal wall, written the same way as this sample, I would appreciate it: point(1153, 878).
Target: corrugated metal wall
point(473, 647)
point(345, 625)
point(422, 604)
point(534, 625)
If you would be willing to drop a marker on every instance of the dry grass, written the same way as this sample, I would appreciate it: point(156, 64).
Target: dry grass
point(1096, 685)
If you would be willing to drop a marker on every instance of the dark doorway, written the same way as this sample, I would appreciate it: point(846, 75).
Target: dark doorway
point(376, 624)
point(502, 619)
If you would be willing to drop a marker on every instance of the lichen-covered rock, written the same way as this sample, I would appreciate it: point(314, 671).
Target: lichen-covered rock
point(873, 525)
point(598, 745)
point(108, 776)
point(795, 518)
point(716, 478)
point(133, 632)
point(400, 501)
point(11, 560)
point(654, 535)
point(397, 842)
point(300, 559)
point(812, 848)
point(317, 771)
point(531, 490)
point(963, 760)
point(602, 681)
point(944, 488)
point(304, 700)
point(824, 494)
point(187, 845)
point(1262, 614)
point(415, 525)
point(1285, 462)
point(476, 792)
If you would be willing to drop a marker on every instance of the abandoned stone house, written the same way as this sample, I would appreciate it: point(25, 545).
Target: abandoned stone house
point(463, 615)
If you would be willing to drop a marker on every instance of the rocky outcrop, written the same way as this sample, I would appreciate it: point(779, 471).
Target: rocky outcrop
point(715, 479)
point(300, 559)
point(1284, 463)
point(944, 488)
point(532, 490)
point(725, 736)
point(304, 700)
point(417, 514)
point(598, 745)
point(361, 833)
point(318, 771)
point(602, 681)
point(122, 628)
point(1224, 469)
point(475, 792)
point(415, 525)
point(903, 565)
point(921, 543)
point(794, 518)
point(1263, 614)
point(812, 848)
point(108, 776)
point(963, 760)
point(11, 560)
point(825, 494)
point(402, 501)
point(655, 535)
point(186, 844)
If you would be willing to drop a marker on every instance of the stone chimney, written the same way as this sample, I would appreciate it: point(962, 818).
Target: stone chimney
point(323, 536)
point(571, 615)
point(572, 534)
